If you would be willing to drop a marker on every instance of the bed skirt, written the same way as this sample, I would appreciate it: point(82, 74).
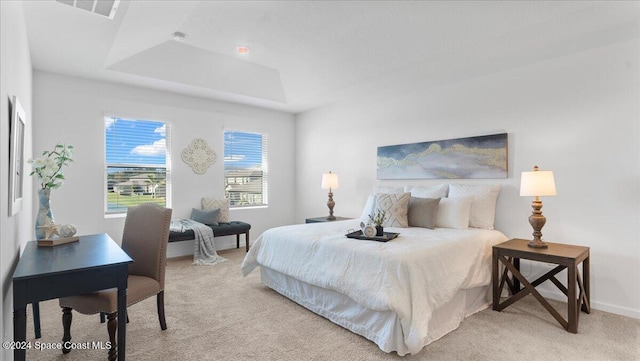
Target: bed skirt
point(381, 327)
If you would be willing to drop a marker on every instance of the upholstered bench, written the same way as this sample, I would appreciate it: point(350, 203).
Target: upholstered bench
point(223, 229)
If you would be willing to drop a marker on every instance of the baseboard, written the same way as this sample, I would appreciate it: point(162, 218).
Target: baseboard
point(185, 248)
point(618, 310)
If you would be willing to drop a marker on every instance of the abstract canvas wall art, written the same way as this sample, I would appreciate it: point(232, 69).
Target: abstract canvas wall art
point(473, 157)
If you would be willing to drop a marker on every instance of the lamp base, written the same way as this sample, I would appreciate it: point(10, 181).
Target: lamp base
point(331, 204)
point(537, 244)
point(537, 221)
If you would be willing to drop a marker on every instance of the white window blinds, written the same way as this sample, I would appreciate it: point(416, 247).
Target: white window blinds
point(245, 168)
point(137, 163)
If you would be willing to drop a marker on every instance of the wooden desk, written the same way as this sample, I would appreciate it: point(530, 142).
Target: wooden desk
point(93, 263)
point(565, 256)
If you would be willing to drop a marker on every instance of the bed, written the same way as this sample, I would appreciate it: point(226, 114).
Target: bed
point(402, 294)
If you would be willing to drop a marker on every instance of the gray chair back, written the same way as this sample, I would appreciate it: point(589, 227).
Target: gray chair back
point(145, 237)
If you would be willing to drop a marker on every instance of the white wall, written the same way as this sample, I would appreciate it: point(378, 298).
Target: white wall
point(577, 115)
point(72, 110)
point(15, 80)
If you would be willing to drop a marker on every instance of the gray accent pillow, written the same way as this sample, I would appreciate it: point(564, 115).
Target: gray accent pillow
point(206, 216)
point(423, 212)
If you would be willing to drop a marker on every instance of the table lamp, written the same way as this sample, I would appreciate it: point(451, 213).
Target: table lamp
point(537, 184)
point(330, 181)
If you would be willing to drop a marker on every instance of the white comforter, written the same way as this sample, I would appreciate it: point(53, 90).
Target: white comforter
point(411, 275)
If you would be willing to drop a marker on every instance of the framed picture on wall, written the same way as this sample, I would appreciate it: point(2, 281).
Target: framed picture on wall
point(16, 156)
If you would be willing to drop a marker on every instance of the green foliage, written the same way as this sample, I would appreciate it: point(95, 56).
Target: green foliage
point(378, 219)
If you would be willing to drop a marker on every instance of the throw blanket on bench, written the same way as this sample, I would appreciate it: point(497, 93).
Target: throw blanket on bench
point(205, 248)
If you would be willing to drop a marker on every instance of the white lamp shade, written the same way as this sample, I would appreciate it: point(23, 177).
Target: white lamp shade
point(537, 184)
point(330, 181)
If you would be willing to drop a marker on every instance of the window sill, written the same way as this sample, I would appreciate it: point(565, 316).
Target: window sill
point(115, 215)
point(248, 207)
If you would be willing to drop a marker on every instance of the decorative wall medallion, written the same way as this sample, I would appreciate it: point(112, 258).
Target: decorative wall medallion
point(199, 156)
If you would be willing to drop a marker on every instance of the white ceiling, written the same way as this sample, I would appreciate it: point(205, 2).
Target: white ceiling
point(305, 54)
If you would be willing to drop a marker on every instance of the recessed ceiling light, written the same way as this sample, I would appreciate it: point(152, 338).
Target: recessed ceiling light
point(243, 50)
point(179, 36)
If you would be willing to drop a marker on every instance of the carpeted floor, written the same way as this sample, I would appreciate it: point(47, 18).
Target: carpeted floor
point(213, 313)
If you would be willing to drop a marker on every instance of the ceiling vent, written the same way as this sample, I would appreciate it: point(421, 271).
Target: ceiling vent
point(106, 8)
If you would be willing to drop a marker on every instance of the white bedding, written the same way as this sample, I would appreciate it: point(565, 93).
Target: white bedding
point(411, 276)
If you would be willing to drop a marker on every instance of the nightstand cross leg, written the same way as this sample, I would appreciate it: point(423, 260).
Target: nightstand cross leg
point(530, 288)
point(550, 276)
point(505, 278)
point(583, 300)
point(516, 294)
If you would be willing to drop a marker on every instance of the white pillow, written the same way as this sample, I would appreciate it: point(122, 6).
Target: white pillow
point(395, 206)
point(454, 212)
point(483, 208)
point(223, 204)
point(389, 190)
point(437, 191)
point(368, 208)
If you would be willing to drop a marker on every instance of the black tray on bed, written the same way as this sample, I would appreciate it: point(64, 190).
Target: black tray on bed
point(387, 236)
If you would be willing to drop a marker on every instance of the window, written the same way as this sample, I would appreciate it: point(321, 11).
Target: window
point(137, 163)
point(245, 168)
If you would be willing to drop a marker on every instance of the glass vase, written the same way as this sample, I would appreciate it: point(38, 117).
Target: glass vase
point(45, 216)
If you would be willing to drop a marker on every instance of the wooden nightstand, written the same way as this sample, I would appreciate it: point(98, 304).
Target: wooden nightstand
point(324, 219)
point(565, 256)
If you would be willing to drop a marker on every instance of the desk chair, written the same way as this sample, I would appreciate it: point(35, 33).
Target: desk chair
point(144, 239)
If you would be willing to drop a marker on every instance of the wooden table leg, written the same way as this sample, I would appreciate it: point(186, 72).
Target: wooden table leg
point(122, 323)
point(496, 281)
point(516, 282)
point(585, 282)
point(36, 319)
point(19, 331)
point(572, 300)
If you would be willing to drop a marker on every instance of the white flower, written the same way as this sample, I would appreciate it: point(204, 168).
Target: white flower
point(48, 169)
point(38, 162)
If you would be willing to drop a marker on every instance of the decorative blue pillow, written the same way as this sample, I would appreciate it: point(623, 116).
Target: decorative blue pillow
point(207, 216)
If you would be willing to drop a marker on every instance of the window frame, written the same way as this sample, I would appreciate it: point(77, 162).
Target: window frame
point(167, 166)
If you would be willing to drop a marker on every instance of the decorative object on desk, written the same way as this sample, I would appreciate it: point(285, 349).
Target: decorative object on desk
point(473, 157)
point(48, 169)
point(378, 220)
point(57, 241)
point(16, 156)
point(330, 181)
point(199, 156)
point(49, 230)
point(67, 230)
point(537, 184)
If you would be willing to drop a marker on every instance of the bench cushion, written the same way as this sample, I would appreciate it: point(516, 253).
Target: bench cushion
point(222, 229)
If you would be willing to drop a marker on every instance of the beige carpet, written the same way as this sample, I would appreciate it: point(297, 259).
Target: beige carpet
point(213, 313)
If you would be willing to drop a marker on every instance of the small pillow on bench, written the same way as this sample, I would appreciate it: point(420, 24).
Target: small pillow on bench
point(206, 216)
point(221, 204)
